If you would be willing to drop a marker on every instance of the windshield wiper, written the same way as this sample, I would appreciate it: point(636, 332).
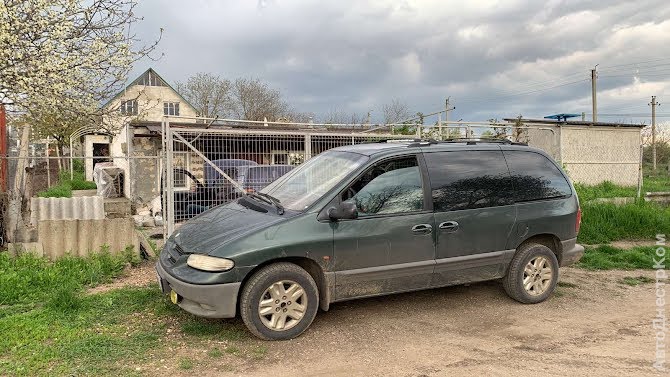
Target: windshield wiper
point(275, 201)
point(269, 199)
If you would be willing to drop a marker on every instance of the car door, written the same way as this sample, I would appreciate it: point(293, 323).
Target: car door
point(474, 214)
point(390, 247)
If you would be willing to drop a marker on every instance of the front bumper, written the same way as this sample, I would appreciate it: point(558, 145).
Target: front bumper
point(572, 252)
point(210, 301)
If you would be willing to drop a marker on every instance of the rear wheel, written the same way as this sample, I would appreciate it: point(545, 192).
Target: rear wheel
point(532, 274)
point(279, 302)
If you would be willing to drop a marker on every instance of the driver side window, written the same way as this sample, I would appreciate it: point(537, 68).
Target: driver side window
point(388, 187)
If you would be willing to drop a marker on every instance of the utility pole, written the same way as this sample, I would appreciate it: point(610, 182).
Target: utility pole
point(593, 93)
point(447, 109)
point(653, 130)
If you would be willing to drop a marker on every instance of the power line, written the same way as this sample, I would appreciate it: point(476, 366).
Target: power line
point(635, 63)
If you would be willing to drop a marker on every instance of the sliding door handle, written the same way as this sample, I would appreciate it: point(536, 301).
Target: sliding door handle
point(422, 228)
point(449, 225)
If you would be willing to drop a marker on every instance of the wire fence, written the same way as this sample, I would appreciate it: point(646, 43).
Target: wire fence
point(176, 172)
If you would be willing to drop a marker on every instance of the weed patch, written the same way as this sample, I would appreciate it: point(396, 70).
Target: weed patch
point(634, 281)
point(604, 222)
point(610, 258)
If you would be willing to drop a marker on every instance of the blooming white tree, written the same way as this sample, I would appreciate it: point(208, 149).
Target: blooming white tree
point(66, 56)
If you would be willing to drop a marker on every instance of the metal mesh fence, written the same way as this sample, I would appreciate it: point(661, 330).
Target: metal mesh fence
point(177, 172)
point(212, 167)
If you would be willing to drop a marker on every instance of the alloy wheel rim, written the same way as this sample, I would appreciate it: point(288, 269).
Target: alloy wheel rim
point(282, 305)
point(537, 276)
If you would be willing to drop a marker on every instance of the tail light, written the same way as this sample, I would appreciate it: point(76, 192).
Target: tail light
point(579, 220)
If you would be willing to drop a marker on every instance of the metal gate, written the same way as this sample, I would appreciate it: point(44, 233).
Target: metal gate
point(206, 167)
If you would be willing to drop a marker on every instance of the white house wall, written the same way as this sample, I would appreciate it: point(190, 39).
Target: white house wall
point(150, 101)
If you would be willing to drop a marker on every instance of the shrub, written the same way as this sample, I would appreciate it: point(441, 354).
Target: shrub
point(65, 185)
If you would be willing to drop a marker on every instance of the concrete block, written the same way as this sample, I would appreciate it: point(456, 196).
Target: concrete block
point(15, 249)
point(81, 237)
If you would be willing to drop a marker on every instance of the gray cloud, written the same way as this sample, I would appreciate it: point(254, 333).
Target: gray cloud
point(494, 58)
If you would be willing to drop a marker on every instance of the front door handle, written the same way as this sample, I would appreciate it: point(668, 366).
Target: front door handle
point(422, 228)
point(449, 225)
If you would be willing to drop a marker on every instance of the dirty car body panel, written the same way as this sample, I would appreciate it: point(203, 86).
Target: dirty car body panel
point(397, 244)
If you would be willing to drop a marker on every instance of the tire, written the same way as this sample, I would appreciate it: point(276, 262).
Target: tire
point(282, 292)
point(530, 283)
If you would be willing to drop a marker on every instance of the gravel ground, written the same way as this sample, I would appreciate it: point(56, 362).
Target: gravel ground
point(593, 325)
point(598, 327)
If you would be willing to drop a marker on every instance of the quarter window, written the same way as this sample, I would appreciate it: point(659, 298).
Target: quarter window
point(389, 187)
point(468, 179)
point(171, 108)
point(535, 177)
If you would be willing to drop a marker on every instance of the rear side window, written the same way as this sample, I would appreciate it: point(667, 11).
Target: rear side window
point(468, 179)
point(535, 177)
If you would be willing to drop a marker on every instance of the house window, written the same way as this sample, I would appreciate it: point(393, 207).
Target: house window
point(181, 163)
point(171, 108)
point(129, 107)
point(151, 79)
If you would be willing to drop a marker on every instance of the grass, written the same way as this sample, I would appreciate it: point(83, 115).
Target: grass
point(609, 258)
point(29, 279)
point(650, 183)
point(214, 353)
point(654, 182)
point(185, 363)
point(603, 190)
point(65, 185)
point(606, 222)
point(635, 281)
point(51, 326)
point(232, 350)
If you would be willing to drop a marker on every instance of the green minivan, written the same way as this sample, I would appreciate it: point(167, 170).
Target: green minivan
point(375, 219)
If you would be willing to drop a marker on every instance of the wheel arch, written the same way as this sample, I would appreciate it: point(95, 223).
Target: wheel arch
point(546, 239)
point(307, 264)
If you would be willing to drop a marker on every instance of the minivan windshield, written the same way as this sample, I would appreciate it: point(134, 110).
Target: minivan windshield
point(304, 185)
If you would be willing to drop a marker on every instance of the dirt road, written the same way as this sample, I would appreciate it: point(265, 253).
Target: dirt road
point(594, 325)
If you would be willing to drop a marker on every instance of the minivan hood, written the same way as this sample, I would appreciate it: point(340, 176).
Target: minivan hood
point(221, 225)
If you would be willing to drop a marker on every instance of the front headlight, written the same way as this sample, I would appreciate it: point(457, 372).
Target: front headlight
point(207, 263)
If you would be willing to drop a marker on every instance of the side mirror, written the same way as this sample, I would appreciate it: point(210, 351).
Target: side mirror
point(342, 211)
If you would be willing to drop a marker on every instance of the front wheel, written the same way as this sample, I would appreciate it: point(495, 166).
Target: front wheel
point(532, 274)
point(279, 302)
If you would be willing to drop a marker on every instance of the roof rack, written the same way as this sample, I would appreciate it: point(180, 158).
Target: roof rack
point(474, 141)
point(468, 141)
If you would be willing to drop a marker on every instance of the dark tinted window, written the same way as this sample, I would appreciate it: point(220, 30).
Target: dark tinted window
point(468, 179)
point(535, 177)
point(388, 187)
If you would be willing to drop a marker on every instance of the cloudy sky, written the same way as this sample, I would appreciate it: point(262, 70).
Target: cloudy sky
point(494, 59)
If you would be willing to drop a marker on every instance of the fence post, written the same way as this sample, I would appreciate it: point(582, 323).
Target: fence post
point(639, 172)
point(169, 179)
point(308, 146)
point(3, 149)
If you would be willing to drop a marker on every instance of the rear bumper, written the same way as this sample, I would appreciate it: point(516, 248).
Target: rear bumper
point(210, 301)
point(572, 252)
